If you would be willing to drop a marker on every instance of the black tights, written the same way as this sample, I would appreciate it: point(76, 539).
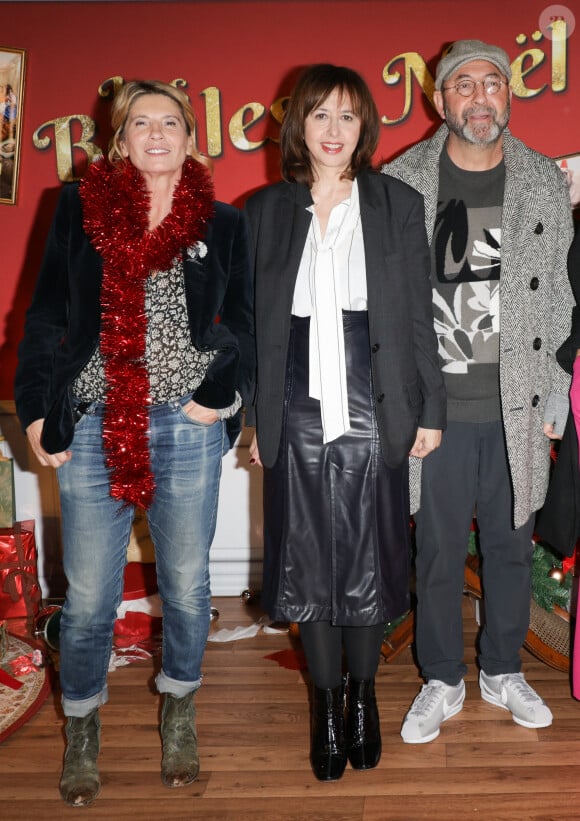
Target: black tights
point(323, 643)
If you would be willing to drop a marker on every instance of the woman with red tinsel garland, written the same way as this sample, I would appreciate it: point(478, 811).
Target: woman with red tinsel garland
point(131, 388)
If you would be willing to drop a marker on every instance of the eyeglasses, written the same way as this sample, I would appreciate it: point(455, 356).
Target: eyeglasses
point(491, 85)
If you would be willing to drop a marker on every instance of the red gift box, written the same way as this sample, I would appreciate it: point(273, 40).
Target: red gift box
point(20, 592)
point(136, 626)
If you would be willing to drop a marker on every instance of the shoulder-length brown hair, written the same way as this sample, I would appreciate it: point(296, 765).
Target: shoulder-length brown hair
point(123, 102)
point(314, 85)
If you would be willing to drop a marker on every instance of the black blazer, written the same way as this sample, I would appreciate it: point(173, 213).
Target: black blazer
point(63, 322)
point(407, 380)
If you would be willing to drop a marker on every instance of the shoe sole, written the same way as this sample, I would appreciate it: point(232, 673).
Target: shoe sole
point(529, 725)
point(425, 739)
point(168, 782)
point(81, 803)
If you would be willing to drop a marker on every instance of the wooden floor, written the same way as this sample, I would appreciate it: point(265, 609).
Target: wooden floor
point(253, 731)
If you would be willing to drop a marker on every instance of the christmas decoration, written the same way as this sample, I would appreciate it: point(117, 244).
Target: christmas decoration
point(556, 573)
point(551, 584)
point(20, 592)
point(249, 596)
point(548, 637)
point(398, 635)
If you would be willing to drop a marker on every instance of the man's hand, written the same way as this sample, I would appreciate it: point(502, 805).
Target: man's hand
point(427, 440)
point(549, 431)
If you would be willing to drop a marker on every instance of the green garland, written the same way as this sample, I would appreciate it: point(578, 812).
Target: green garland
point(392, 625)
point(546, 591)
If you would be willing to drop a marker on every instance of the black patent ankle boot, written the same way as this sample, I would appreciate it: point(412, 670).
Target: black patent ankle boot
point(328, 746)
point(363, 729)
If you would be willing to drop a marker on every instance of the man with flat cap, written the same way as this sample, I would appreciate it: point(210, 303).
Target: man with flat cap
point(499, 222)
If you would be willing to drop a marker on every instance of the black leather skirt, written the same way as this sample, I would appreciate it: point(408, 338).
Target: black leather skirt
point(336, 518)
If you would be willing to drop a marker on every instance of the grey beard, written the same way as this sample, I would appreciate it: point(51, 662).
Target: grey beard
point(483, 135)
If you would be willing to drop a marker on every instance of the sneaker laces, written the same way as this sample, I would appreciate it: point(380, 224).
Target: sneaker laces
point(427, 699)
point(520, 687)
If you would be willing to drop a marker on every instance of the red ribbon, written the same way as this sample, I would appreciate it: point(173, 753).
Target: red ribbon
point(569, 562)
point(9, 681)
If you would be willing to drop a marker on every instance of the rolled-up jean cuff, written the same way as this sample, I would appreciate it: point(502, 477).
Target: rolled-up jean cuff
point(81, 708)
point(165, 684)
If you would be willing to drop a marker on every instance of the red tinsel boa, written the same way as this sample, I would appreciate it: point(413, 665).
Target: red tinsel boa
point(115, 217)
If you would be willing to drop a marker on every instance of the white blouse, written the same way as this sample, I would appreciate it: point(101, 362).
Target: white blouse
point(331, 278)
point(349, 258)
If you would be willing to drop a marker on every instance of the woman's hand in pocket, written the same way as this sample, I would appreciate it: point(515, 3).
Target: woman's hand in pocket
point(53, 460)
point(199, 413)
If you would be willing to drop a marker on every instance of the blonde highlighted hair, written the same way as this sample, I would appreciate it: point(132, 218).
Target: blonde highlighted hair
point(123, 102)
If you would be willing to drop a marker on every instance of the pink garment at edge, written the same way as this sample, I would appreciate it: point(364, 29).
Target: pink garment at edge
point(575, 407)
point(576, 661)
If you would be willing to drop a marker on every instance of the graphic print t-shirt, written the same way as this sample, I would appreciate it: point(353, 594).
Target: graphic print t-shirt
point(465, 274)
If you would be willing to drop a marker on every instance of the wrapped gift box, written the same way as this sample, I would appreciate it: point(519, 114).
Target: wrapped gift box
point(139, 614)
point(20, 592)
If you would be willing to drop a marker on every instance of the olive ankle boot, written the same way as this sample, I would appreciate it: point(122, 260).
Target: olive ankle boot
point(180, 762)
point(80, 782)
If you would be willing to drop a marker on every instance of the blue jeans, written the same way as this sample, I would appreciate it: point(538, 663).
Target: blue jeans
point(186, 458)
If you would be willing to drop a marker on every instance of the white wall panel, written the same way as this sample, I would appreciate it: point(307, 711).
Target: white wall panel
point(236, 554)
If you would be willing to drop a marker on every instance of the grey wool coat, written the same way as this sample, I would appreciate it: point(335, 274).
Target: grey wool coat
point(535, 303)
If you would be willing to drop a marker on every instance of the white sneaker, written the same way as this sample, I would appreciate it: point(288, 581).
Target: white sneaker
point(510, 691)
point(434, 704)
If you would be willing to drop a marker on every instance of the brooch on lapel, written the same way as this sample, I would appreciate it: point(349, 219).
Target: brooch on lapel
point(197, 251)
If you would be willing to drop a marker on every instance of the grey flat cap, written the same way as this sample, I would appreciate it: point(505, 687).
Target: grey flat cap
point(464, 51)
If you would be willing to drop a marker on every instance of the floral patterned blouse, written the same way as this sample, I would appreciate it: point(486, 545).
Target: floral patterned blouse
point(176, 368)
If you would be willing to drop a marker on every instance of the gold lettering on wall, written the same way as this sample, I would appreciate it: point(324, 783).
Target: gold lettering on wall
point(413, 66)
point(405, 70)
point(523, 65)
point(110, 87)
point(242, 120)
point(532, 58)
point(277, 110)
point(64, 144)
point(213, 120)
point(559, 55)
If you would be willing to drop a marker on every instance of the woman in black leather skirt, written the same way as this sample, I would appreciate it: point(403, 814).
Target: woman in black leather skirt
point(348, 384)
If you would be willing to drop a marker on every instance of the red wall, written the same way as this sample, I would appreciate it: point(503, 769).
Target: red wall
point(250, 52)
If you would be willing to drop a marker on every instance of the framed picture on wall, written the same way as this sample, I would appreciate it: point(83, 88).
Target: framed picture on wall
point(12, 62)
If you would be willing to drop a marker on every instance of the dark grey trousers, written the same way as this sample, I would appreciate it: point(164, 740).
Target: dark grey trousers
point(469, 473)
